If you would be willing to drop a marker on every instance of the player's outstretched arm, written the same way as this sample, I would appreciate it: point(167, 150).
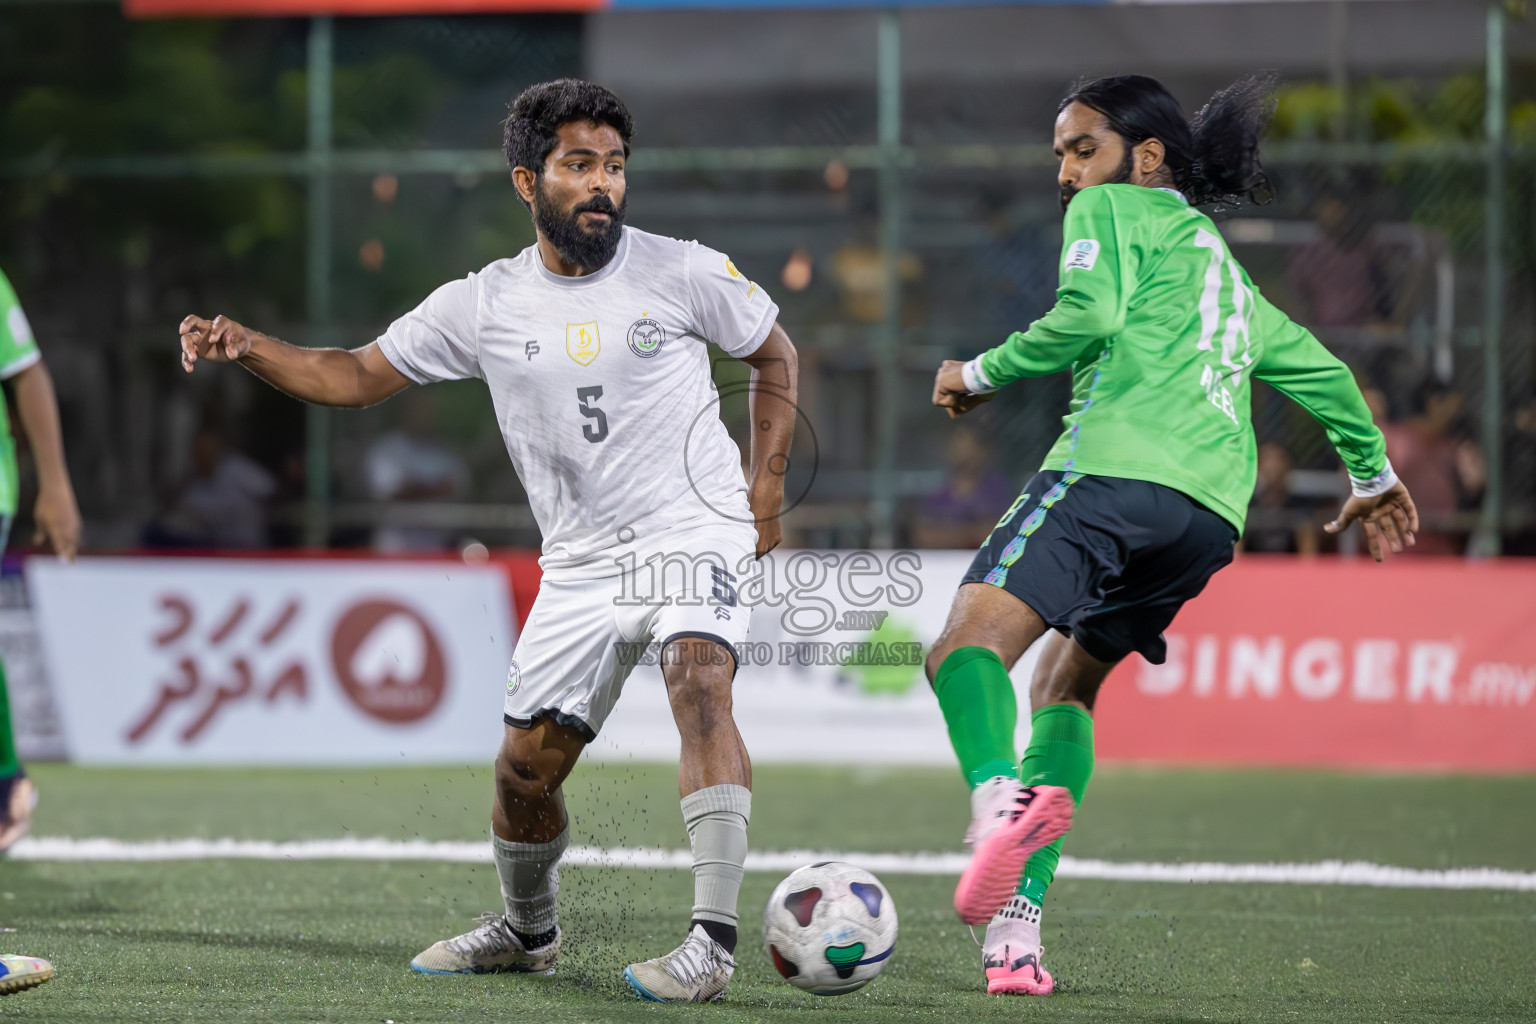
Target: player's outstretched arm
point(1389, 515)
point(56, 513)
point(772, 399)
point(350, 378)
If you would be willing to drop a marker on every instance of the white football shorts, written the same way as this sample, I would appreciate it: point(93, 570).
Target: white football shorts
point(584, 637)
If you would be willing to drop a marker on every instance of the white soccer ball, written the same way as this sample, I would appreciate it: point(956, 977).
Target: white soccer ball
point(830, 928)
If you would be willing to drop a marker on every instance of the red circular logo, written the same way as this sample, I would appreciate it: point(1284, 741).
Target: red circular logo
point(388, 661)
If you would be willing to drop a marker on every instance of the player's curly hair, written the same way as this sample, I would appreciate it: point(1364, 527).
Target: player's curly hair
point(1214, 156)
point(531, 131)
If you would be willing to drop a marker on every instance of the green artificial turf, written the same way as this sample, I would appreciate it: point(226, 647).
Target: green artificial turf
point(272, 941)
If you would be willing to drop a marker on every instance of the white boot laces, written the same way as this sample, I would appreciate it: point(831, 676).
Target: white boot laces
point(492, 937)
point(697, 957)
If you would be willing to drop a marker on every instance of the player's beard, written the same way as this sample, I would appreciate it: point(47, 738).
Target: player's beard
point(1121, 177)
point(590, 249)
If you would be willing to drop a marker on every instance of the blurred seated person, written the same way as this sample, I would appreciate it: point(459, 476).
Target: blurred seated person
point(1278, 521)
point(223, 502)
point(1441, 466)
point(1339, 276)
point(412, 465)
point(964, 510)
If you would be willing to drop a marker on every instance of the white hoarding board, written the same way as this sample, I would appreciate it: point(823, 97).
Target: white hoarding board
point(263, 661)
point(796, 698)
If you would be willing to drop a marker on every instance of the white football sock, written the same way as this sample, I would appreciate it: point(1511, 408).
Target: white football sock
point(717, 817)
point(530, 880)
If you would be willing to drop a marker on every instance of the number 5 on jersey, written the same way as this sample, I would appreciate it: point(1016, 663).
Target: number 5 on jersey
point(586, 401)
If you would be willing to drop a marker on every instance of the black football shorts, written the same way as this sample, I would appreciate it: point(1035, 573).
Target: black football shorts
point(1105, 560)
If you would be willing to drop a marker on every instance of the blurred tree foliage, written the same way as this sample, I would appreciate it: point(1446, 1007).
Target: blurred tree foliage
point(1445, 190)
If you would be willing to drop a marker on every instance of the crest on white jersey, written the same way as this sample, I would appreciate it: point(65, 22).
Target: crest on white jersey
point(581, 342)
point(646, 337)
point(1082, 254)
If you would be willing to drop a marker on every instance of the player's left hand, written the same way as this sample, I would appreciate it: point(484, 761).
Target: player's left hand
point(1389, 515)
point(949, 391)
point(58, 522)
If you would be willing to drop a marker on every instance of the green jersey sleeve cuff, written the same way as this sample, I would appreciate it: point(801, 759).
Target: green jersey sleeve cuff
point(1381, 483)
point(976, 381)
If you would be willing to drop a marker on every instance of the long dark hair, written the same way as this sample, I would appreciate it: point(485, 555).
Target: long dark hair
point(1214, 156)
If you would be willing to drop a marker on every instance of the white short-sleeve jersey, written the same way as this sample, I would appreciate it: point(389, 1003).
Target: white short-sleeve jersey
point(602, 387)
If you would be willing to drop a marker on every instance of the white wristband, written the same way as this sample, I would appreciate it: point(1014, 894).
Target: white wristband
point(976, 379)
point(1381, 483)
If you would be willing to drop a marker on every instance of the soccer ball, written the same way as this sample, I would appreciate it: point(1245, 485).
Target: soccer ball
point(830, 928)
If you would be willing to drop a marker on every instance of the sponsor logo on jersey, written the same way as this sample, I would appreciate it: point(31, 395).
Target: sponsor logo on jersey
point(646, 337)
point(581, 342)
point(514, 678)
point(531, 349)
point(730, 268)
point(1082, 254)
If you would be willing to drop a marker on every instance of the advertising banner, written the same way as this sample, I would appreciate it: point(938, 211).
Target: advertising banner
point(833, 669)
point(182, 660)
point(1420, 664)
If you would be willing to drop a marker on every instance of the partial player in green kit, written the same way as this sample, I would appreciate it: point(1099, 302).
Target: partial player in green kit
point(1143, 496)
point(58, 521)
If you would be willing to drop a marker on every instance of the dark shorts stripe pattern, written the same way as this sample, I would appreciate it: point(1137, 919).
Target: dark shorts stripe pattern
point(1111, 566)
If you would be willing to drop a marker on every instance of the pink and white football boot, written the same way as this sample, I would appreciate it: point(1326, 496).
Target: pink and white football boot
point(1011, 953)
point(1009, 822)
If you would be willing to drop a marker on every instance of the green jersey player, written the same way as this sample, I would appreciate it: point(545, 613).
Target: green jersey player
point(57, 520)
point(1142, 498)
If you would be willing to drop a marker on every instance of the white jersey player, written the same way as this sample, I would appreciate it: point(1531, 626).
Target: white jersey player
point(593, 345)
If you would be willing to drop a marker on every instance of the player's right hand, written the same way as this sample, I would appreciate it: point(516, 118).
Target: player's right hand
point(1388, 515)
point(220, 340)
point(949, 391)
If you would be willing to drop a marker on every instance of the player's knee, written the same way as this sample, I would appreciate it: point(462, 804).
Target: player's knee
point(521, 781)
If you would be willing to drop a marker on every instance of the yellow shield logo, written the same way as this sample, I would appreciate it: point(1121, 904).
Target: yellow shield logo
point(581, 342)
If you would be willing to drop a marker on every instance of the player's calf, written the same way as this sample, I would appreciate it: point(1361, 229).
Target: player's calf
point(18, 798)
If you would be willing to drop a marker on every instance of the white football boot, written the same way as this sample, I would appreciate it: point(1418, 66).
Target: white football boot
point(22, 972)
point(1011, 954)
point(488, 949)
point(695, 972)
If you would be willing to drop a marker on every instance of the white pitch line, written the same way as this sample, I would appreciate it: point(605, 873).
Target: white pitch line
point(1331, 872)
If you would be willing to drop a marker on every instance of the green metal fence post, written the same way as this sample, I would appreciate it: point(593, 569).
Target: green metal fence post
point(317, 420)
point(1495, 121)
point(888, 351)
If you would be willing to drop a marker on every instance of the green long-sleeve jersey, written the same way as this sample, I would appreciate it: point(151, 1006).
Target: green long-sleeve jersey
point(18, 351)
point(1163, 330)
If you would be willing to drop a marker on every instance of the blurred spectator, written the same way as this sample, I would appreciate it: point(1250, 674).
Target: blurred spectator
point(1278, 521)
point(222, 503)
point(1339, 276)
point(1441, 466)
point(974, 496)
point(858, 270)
point(412, 465)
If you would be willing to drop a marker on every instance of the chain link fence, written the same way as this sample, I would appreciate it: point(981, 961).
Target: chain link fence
point(171, 175)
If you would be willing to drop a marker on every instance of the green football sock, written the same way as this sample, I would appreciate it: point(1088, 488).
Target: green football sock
point(9, 763)
point(981, 711)
point(1060, 753)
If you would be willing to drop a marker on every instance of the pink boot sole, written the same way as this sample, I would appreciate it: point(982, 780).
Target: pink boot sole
point(998, 861)
point(1020, 983)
